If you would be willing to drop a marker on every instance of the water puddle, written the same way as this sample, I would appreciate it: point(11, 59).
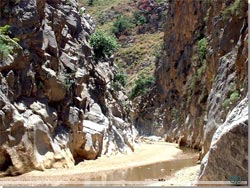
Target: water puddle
point(154, 171)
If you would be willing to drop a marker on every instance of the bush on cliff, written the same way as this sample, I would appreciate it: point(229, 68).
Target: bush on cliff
point(142, 86)
point(103, 45)
point(7, 44)
point(120, 80)
point(202, 48)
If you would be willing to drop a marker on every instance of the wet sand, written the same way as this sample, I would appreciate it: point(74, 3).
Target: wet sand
point(144, 154)
point(184, 177)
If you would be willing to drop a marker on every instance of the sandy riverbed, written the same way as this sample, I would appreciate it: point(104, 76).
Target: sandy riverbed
point(184, 177)
point(145, 153)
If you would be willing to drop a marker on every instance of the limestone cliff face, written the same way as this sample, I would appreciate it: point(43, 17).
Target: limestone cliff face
point(56, 104)
point(202, 74)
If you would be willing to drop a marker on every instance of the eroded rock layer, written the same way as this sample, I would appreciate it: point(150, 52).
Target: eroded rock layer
point(57, 107)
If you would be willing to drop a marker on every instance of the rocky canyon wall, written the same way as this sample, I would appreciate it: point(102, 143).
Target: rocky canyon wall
point(201, 76)
point(57, 106)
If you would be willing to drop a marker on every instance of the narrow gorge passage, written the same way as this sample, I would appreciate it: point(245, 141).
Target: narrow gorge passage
point(123, 90)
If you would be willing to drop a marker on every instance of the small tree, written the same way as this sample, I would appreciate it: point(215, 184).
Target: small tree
point(120, 80)
point(103, 45)
point(142, 86)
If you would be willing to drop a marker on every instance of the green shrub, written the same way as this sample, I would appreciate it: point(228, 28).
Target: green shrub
point(120, 80)
point(122, 25)
point(6, 43)
point(5, 49)
point(225, 103)
point(138, 18)
point(202, 48)
point(103, 45)
point(5, 30)
point(234, 96)
point(142, 86)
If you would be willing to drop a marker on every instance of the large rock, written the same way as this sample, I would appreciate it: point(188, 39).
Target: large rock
point(228, 153)
point(28, 141)
point(87, 143)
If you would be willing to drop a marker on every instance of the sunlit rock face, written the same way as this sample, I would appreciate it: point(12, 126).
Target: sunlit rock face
point(56, 104)
point(228, 153)
point(201, 76)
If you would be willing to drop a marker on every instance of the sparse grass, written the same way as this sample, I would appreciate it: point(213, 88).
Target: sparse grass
point(140, 56)
point(99, 2)
point(100, 6)
point(106, 28)
point(202, 69)
point(158, 50)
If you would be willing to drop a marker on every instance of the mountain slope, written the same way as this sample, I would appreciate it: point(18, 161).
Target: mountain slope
point(142, 39)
